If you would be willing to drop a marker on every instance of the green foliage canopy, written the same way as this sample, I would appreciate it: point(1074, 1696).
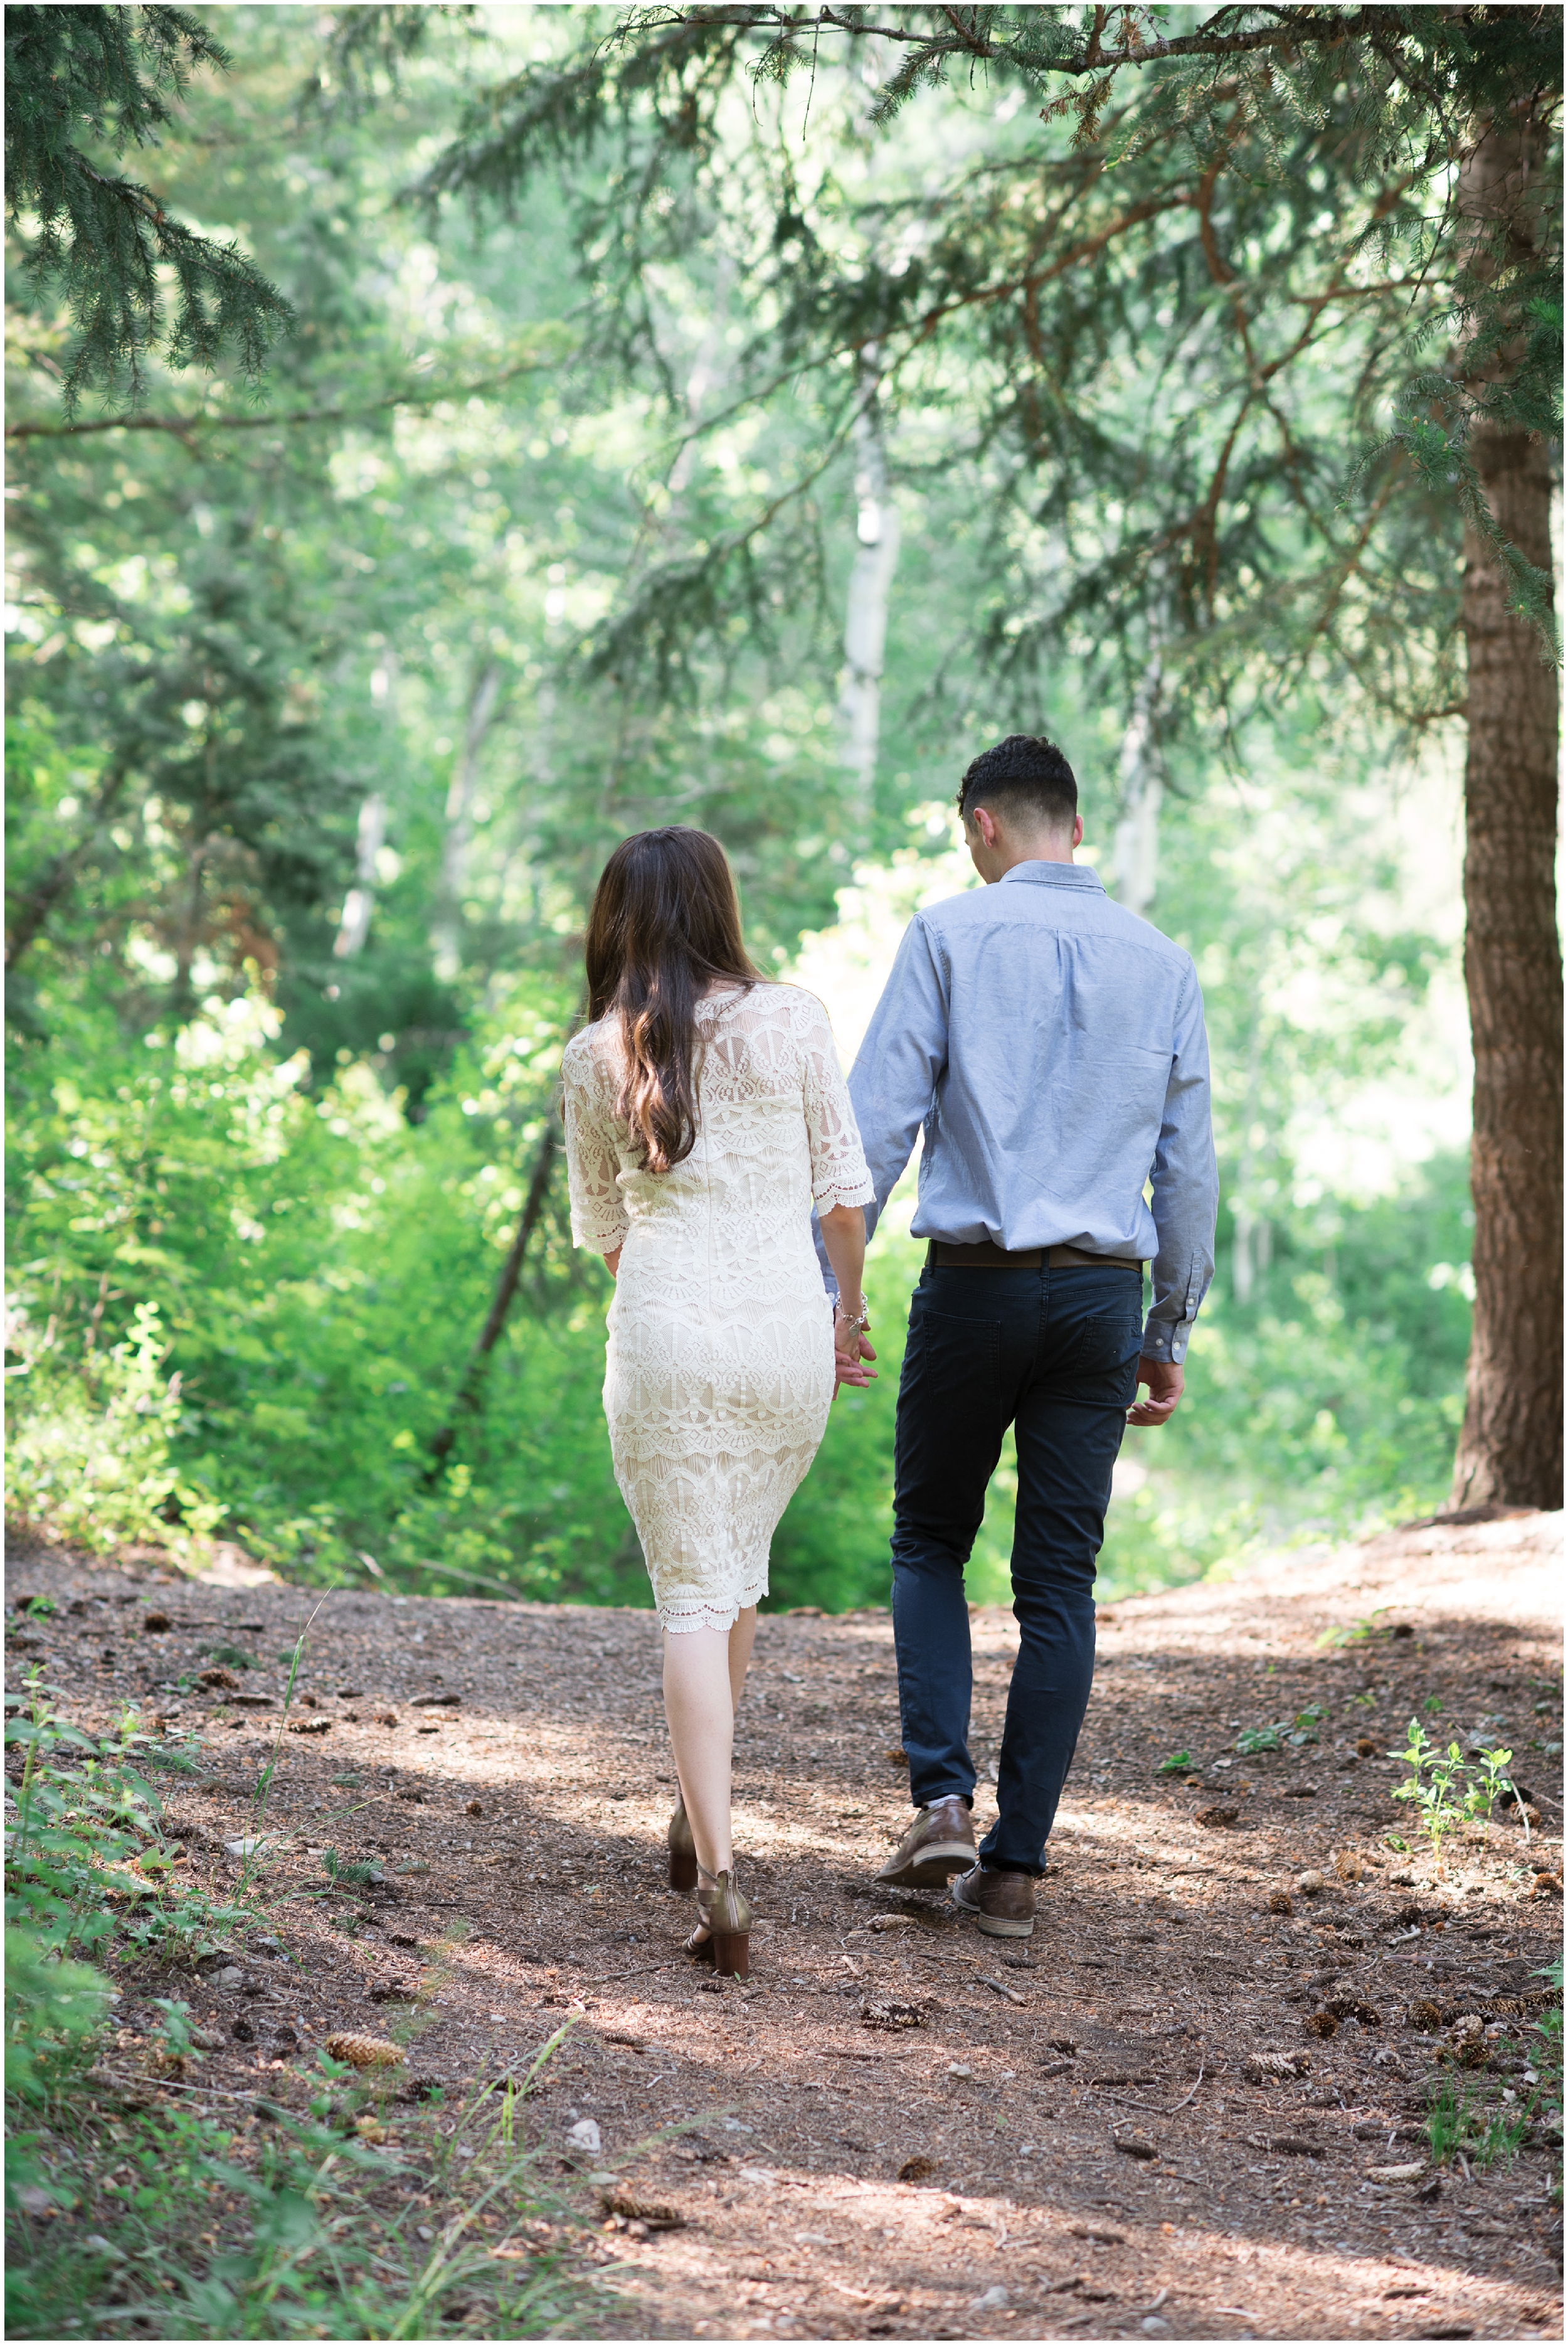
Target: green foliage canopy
point(110, 74)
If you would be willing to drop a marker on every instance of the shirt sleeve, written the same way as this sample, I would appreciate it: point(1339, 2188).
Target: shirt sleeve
point(599, 1218)
point(1185, 1187)
point(893, 1083)
point(838, 1174)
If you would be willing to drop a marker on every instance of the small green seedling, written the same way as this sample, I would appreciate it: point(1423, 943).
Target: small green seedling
point(350, 1875)
point(231, 1657)
point(1355, 1632)
point(1177, 1764)
point(1297, 1731)
point(1444, 1790)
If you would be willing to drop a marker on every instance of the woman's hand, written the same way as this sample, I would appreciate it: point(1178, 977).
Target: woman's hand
point(852, 1348)
point(843, 1237)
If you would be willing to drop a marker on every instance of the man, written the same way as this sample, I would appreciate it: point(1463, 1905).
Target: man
point(1051, 1047)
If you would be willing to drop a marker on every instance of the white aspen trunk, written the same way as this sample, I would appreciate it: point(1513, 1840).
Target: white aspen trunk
point(447, 935)
point(870, 583)
point(359, 902)
point(706, 373)
point(1137, 865)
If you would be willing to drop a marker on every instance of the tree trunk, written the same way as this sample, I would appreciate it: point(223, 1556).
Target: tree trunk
point(58, 873)
point(870, 582)
point(1510, 1449)
point(359, 903)
point(469, 1400)
point(448, 935)
point(1142, 788)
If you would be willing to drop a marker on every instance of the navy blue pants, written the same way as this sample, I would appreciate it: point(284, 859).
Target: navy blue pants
point(1053, 1353)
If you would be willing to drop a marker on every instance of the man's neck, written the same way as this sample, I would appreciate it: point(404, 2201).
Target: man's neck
point(994, 862)
point(1051, 846)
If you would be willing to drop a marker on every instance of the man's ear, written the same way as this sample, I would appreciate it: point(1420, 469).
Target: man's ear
point(1077, 830)
point(984, 822)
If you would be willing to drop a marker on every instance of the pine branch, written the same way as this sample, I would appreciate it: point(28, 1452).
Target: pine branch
point(180, 426)
point(963, 41)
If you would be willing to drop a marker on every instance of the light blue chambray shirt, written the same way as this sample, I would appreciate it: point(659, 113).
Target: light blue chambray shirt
point(1051, 1044)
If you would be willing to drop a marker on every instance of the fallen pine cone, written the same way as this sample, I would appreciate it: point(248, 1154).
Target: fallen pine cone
point(915, 2169)
point(893, 1922)
point(1351, 2007)
point(386, 1718)
point(1262, 2064)
point(309, 1726)
point(1216, 1818)
point(1281, 1902)
point(1322, 2023)
point(365, 2051)
point(890, 2014)
point(657, 2216)
point(474, 1808)
point(1133, 2145)
point(1310, 1885)
point(219, 1677)
point(1547, 1884)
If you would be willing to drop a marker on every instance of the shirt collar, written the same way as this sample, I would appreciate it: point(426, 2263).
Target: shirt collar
point(1056, 875)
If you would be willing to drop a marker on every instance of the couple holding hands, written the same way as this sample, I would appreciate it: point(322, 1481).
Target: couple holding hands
point(1050, 1046)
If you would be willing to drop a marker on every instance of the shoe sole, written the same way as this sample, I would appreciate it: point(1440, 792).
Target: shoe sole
point(993, 1925)
point(932, 1869)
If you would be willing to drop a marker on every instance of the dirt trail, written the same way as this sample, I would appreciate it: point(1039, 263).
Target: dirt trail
point(1088, 2156)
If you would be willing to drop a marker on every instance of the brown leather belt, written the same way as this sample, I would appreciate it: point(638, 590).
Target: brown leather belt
point(942, 1254)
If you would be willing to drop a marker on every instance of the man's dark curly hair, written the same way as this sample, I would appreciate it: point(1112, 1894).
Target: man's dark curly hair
point(1024, 779)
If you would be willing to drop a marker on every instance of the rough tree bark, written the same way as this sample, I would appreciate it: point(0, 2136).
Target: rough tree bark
point(1510, 1448)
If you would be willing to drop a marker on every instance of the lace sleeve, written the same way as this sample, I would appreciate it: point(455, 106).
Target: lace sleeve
point(598, 1217)
point(838, 1174)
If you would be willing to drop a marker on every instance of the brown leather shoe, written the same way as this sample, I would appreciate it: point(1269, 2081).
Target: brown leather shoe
point(938, 1843)
point(1002, 1903)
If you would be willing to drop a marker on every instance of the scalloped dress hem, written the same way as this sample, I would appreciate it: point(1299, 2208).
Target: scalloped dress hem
point(708, 1616)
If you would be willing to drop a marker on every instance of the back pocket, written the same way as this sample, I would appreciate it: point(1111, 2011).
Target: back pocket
point(1107, 1343)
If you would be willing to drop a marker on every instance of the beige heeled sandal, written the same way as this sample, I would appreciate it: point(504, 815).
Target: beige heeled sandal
point(725, 1923)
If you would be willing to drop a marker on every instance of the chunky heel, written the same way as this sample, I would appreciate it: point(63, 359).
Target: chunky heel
point(728, 1917)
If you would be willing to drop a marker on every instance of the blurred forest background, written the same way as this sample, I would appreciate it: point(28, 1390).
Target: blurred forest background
point(329, 693)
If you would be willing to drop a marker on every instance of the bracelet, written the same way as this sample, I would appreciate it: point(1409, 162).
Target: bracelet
point(861, 1321)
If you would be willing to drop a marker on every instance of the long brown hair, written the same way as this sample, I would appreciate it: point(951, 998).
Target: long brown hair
point(665, 922)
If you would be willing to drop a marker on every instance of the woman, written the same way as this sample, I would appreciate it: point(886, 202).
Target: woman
point(705, 1114)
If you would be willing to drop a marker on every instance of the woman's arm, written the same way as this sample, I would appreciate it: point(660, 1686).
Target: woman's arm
point(843, 1236)
point(613, 1262)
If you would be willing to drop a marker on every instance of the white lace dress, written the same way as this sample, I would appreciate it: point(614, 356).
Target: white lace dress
point(719, 1373)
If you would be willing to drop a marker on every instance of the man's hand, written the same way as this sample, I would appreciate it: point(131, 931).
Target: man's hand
point(851, 1349)
point(1165, 1381)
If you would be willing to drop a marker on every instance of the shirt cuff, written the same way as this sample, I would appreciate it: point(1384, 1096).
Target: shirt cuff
point(1161, 1341)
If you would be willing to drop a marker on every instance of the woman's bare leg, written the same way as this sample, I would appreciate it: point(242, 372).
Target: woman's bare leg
point(700, 1704)
point(742, 1637)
